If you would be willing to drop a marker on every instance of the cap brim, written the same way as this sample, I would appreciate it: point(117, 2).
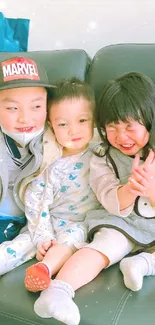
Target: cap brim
point(26, 84)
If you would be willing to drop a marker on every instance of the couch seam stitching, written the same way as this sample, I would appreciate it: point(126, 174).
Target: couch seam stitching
point(120, 307)
point(23, 320)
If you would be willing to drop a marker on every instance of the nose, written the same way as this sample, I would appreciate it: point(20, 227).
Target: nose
point(72, 129)
point(121, 136)
point(23, 118)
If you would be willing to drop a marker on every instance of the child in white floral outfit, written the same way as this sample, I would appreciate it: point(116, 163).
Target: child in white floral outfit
point(57, 202)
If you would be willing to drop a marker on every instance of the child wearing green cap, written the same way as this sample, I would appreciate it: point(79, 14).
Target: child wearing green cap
point(24, 88)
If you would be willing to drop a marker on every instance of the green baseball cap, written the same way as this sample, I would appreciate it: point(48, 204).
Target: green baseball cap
point(17, 72)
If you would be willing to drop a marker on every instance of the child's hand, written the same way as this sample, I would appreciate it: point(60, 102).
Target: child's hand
point(142, 180)
point(43, 248)
point(148, 164)
point(142, 183)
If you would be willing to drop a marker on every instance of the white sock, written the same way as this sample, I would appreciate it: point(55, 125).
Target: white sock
point(56, 301)
point(135, 268)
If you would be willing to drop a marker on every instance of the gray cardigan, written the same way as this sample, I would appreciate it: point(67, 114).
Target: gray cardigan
point(137, 221)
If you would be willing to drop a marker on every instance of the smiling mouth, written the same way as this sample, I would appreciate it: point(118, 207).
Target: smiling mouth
point(127, 146)
point(26, 129)
point(77, 139)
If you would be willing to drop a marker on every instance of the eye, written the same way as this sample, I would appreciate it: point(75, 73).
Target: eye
point(82, 120)
point(11, 108)
point(110, 128)
point(36, 107)
point(130, 127)
point(62, 124)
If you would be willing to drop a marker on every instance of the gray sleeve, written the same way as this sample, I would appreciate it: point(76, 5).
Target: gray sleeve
point(105, 185)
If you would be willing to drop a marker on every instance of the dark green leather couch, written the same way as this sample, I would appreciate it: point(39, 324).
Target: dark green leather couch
point(105, 301)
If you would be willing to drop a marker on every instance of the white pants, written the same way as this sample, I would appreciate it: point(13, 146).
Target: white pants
point(72, 234)
point(21, 249)
point(16, 252)
point(114, 245)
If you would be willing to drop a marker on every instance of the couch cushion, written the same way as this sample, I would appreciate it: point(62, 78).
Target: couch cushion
point(104, 301)
point(59, 64)
point(115, 60)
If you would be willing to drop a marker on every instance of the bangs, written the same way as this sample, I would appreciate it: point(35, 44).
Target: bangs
point(121, 109)
point(122, 106)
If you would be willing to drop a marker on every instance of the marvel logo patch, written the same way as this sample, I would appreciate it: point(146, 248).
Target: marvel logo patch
point(19, 68)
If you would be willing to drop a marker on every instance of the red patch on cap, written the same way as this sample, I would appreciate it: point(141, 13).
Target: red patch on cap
point(19, 68)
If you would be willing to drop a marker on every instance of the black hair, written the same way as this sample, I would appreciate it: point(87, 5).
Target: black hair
point(131, 96)
point(72, 88)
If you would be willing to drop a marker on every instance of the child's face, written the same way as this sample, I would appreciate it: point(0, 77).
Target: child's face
point(23, 109)
point(72, 122)
point(129, 137)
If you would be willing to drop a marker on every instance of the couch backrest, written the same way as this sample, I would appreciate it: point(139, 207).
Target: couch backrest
point(115, 60)
point(61, 64)
point(109, 62)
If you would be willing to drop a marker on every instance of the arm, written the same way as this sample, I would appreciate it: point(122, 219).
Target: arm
point(114, 197)
point(38, 196)
point(125, 197)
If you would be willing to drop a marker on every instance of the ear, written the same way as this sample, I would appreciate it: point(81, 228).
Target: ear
point(50, 125)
